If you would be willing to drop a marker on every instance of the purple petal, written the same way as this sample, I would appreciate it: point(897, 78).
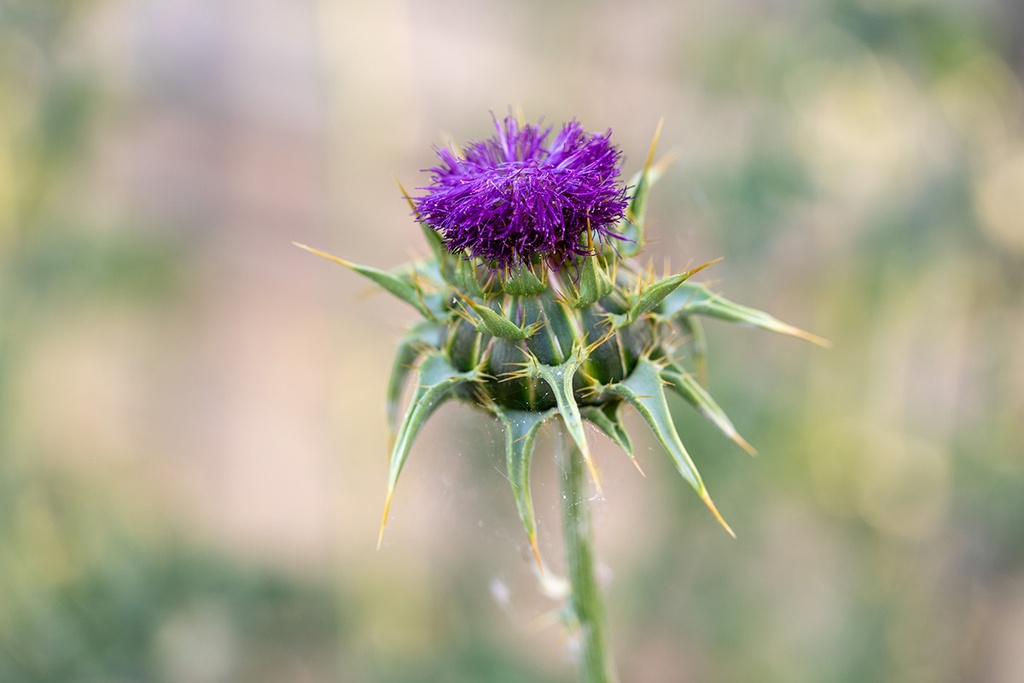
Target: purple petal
point(513, 197)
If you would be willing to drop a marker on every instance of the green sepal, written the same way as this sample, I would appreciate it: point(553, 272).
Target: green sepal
point(690, 389)
point(437, 380)
point(520, 431)
point(403, 289)
point(651, 296)
point(608, 419)
point(560, 379)
point(436, 244)
point(467, 280)
point(633, 225)
point(445, 260)
point(644, 389)
point(430, 284)
point(693, 298)
point(594, 284)
point(442, 257)
point(497, 324)
point(423, 337)
point(522, 281)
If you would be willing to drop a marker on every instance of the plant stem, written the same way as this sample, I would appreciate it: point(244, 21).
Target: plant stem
point(585, 597)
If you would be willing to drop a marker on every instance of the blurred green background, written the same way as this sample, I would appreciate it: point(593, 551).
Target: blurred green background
point(192, 441)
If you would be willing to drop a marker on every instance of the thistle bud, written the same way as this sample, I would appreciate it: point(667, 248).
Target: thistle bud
point(532, 306)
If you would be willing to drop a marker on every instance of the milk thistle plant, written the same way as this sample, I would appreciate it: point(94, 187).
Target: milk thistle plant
point(533, 308)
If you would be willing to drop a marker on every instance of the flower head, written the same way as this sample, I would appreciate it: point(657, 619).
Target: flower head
point(513, 197)
point(549, 341)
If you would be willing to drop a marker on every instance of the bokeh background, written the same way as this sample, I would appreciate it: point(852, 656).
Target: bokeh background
point(192, 442)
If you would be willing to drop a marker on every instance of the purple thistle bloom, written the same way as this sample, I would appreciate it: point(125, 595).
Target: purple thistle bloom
point(514, 197)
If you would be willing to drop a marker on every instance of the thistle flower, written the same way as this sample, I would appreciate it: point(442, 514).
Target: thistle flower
point(532, 306)
point(514, 198)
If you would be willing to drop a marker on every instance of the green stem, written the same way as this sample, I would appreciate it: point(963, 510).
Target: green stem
point(585, 597)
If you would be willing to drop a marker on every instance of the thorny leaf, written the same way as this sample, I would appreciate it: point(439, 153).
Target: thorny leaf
point(645, 390)
point(690, 389)
point(520, 430)
point(559, 378)
point(437, 379)
point(420, 339)
point(393, 284)
point(608, 419)
point(693, 298)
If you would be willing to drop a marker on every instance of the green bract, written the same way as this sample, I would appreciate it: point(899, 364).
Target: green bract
point(580, 339)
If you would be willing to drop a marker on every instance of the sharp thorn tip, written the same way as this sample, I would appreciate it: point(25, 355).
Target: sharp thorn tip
point(384, 519)
point(639, 469)
point(536, 553)
point(745, 445)
point(714, 510)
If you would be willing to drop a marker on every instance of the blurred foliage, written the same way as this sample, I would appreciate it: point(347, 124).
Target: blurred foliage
point(91, 587)
point(147, 612)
